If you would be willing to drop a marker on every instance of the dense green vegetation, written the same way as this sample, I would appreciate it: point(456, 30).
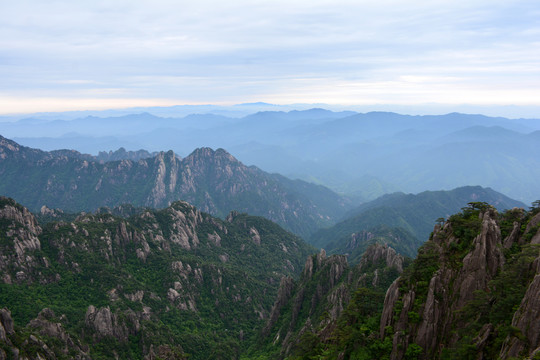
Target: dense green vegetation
point(214, 181)
point(333, 312)
point(479, 329)
point(203, 288)
point(404, 221)
point(206, 300)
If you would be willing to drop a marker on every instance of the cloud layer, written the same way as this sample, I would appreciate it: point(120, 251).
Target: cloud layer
point(343, 52)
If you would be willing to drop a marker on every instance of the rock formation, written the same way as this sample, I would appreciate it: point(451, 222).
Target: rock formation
point(425, 311)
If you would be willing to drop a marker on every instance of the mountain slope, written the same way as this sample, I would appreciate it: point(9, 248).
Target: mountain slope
point(411, 216)
point(399, 152)
point(307, 312)
point(212, 180)
point(472, 293)
point(173, 280)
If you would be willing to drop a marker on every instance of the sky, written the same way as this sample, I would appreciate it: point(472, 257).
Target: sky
point(82, 55)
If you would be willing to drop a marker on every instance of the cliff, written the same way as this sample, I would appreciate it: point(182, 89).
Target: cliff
point(308, 315)
point(212, 180)
point(472, 291)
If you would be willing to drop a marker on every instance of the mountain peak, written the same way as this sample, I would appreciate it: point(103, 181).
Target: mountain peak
point(209, 153)
point(10, 144)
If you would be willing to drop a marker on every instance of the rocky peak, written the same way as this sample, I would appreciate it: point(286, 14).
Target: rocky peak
point(532, 226)
point(213, 180)
point(308, 267)
point(482, 263)
point(337, 265)
point(318, 287)
point(448, 290)
point(206, 154)
point(123, 154)
point(527, 320)
point(7, 145)
point(286, 288)
point(6, 324)
point(17, 255)
point(6, 330)
point(378, 252)
point(106, 323)
point(231, 216)
point(19, 215)
point(43, 328)
point(166, 176)
point(10, 149)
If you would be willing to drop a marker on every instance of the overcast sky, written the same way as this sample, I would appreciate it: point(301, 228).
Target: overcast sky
point(77, 55)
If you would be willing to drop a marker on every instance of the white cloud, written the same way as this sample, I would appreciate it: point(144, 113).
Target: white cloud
point(291, 51)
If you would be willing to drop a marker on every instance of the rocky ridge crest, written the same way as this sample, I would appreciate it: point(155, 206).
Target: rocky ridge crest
point(315, 303)
point(212, 180)
point(427, 304)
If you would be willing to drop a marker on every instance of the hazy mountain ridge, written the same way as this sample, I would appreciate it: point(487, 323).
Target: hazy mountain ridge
point(344, 150)
point(403, 221)
point(212, 180)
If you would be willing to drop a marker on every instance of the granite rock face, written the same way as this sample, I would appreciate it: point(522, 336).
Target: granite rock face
point(112, 279)
point(18, 252)
point(212, 180)
point(385, 253)
point(427, 313)
point(527, 320)
point(482, 263)
point(317, 300)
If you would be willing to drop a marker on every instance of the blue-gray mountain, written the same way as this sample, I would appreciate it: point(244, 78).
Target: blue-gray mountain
point(404, 221)
point(214, 181)
point(365, 155)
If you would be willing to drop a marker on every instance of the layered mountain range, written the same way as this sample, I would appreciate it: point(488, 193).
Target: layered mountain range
point(365, 155)
point(214, 181)
point(148, 255)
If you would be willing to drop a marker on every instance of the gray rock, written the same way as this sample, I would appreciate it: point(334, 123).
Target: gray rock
point(526, 319)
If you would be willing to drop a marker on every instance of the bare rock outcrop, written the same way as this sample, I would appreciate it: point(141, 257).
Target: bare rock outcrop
point(448, 290)
point(45, 335)
point(105, 323)
point(286, 287)
point(184, 227)
point(6, 325)
point(527, 320)
point(18, 257)
point(46, 325)
point(255, 236)
point(513, 237)
point(166, 352)
point(482, 263)
point(378, 252)
point(167, 169)
point(392, 295)
point(323, 281)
